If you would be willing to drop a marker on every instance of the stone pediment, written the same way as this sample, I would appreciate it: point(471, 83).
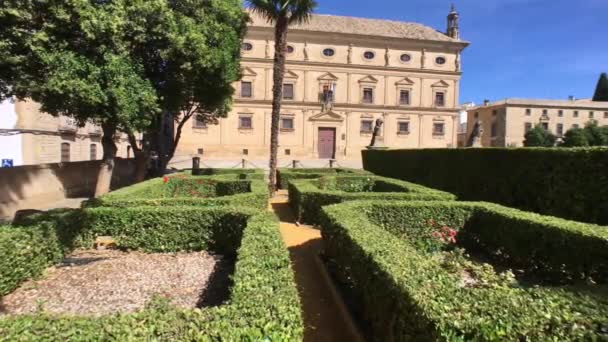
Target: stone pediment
point(441, 84)
point(290, 74)
point(247, 71)
point(328, 76)
point(327, 116)
point(405, 81)
point(368, 79)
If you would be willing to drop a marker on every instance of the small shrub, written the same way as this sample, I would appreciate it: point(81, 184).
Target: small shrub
point(284, 176)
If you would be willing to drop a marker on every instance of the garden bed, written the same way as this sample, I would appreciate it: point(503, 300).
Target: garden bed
point(285, 175)
point(306, 197)
point(182, 189)
point(469, 271)
point(91, 282)
point(262, 270)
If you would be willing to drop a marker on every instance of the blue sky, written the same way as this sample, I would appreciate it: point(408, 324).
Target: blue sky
point(519, 48)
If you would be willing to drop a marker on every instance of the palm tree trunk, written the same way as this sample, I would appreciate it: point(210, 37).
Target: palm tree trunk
point(277, 95)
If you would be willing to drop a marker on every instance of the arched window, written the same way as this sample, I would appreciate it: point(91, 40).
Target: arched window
point(65, 152)
point(93, 152)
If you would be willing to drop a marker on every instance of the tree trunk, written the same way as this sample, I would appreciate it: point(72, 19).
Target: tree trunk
point(164, 160)
point(277, 96)
point(106, 169)
point(141, 159)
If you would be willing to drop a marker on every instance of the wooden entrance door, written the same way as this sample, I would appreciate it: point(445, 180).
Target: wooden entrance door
point(327, 143)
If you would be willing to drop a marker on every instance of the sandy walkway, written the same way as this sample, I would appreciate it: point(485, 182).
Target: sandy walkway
point(325, 318)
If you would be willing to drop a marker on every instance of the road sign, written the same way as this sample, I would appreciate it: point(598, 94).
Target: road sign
point(7, 163)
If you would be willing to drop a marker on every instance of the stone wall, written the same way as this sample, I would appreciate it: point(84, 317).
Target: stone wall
point(38, 186)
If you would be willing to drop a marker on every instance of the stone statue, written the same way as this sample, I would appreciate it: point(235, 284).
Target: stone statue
point(267, 48)
point(457, 62)
point(476, 134)
point(305, 51)
point(387, 58)
point(350, 54)
point(376, 133)
point(423, 60)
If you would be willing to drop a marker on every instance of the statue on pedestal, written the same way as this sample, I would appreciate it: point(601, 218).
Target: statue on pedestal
point(305, 51)
point(375, 144)
point(350, 54)
point(476, 135)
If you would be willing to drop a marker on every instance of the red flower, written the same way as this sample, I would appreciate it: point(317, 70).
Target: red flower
point(452, 232)
point(165, 179)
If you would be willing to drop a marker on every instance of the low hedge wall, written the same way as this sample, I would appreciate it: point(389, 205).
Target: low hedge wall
point(405, 290)
point(306, 197)
point(189, 191)
point(257, 174)
point(262, 271)
point(285, 175)
point(565, 182)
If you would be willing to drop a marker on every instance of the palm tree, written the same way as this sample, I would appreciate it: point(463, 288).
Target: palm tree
point(282, 13)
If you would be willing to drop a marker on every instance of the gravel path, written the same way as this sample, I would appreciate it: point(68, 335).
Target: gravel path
point(101, 282)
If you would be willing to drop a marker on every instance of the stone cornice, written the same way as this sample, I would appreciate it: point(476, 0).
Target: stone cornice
point(333, 66)
point(365, 40)
point(342, 107)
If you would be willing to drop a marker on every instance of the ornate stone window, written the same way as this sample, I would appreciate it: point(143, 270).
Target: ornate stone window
point(528, 111)
point(404, 97)
point(405, 58)
point(290, 49)
point(245, 121)
point(93, 151)
point(369, 55)
point(329, 52)
point(246, 89)
point(438, 128)
point(560, 113)
point(367, 126)
point(527, 127)
point(404, 91)
point(65, 152)
point(368, 85)
point(440, 94)
point(288, 91)
point(197, 123)
point(559, 129)
point(575, 114)
point(287, 123)
point(403, 127)
point(246, 46)
point(440, 60)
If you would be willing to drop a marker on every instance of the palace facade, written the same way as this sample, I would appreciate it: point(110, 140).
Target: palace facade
point(342, 74)
point(506, 122)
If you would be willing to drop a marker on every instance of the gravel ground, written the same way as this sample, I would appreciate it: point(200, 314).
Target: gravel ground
point(95, 282)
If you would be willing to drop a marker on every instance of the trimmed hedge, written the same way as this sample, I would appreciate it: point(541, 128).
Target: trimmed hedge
point(185, 190)
point(284, 175)
point(567, 182)
point(407, 293)
point(306, 197)
point(257, 174)
point(262, 271)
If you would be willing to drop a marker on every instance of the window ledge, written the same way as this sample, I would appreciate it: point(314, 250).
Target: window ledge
point(245, 128)
point(403, 133)
point(287, 130)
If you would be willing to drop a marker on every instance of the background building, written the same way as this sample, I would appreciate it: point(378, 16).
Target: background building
point(342, 74)
point(29, 137)
point(506, 122)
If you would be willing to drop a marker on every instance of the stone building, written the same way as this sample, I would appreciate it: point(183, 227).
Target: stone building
point(29, 136)
point(505, 122)
point(342, 74)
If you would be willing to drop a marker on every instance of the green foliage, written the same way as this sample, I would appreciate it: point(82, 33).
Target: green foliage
point(575, 137)
point(539, 137)
point(601, 90)
point(257, 174)
point(306, 197)
point(284, 176)
point(544, 180)
point(409, 293)
point(262, 271)
point(596, 135)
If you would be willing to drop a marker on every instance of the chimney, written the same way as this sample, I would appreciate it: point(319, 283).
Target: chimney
point(571, 97)
point(486, 102)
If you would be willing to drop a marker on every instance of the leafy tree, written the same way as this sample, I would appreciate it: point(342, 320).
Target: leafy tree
point(539, 137)
point(596, 135)
point(575, 137)
point(67, 57)
point(601, 90)
point(282, 13)
point(190, 51)
point(124, 64)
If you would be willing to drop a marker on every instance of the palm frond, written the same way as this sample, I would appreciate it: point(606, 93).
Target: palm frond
point(267, 9)
point(301, 10)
